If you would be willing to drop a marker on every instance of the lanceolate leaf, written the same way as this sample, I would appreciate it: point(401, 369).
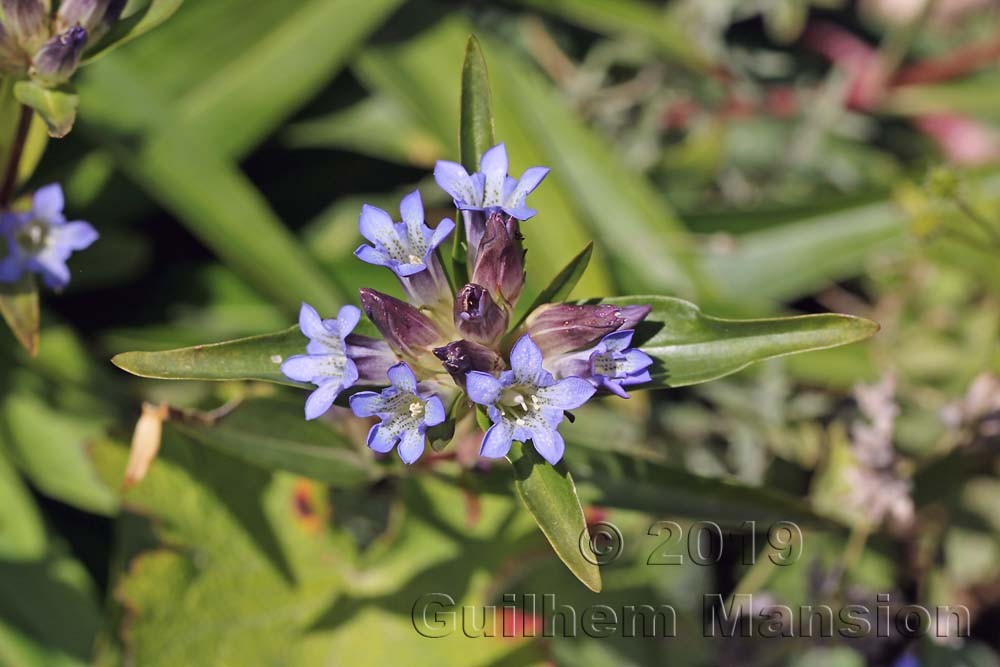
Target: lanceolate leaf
point(19, 307)
point(689, 347)
point(564, 282)
point(550, 496)
point(476, 133)
point(253, 358)
point(272, 435)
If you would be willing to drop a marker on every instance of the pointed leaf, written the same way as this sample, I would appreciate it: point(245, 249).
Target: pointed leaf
point(550, 496)
point(476, 133)
point(139, 17)
point(564, 282)
point(56, 107)
point(253, 358)
point(689, 347)
point(273, 435)
point(19, 307)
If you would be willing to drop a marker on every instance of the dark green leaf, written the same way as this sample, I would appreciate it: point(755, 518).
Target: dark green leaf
point(273, 435)
point(689, 347)
point(253, 358)
point(550, 496)
point(19, 307)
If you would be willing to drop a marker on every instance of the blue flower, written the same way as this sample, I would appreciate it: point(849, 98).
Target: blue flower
point(405, 247)
point(614, 366)
point(325, 363)
point(405, 415)
point(490, 188)
point(526, 402)
point(40, 240)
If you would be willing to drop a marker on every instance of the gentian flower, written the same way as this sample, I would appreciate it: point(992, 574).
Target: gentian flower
point(477, 317)
point(407, 248)
point(405, 415)
point(326, 363)
point(526, 402)
point(59, 57)
point(490, 188)
point(95, 16)
point(614, 365)
point(27, 21)
point(41, 240)
point(499, 262)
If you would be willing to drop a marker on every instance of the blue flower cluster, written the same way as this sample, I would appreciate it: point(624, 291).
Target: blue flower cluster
point(454, 347)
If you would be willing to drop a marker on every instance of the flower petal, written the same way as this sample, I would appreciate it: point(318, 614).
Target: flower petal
point(530, 179)
point(434, 413)
point(493, 166)
point(455, 180)
point(526, 360)
point(441, 232)
point(320, 400)
point(310, 323)
point(411, 445)
point(303, 367)
point(412, 209)
point(52, 265)
point(370, 255)
point(74, 235)
point(380, 440)
point(11, 269)
point(347, 319)
point(496, 442)
point(366, 403)
point(376, 225)
point(48, 203)
point(402, 378)
point(618, 341)
point(635, 361)
point(568, 394)
point(482, 388)
point(549, 443)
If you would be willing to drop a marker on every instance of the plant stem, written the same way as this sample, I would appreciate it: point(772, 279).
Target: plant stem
point(9, 183)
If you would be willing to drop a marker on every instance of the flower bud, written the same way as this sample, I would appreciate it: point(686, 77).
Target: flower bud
point(95, 16)
point(563, 327)
point(407, 331)
point(56, 62)
point(477, 316)
point(373, 358)
point(27, 22)
point(499, 265)
point(462, 356)
point(12, 58)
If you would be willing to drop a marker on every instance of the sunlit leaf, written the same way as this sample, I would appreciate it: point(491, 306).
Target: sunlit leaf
point(19, 307)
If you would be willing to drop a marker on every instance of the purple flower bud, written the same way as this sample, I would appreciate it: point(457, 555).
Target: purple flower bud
point(462, 356)
point(499, 265)
point(27, 21)
point(407, 331)
point(12, 58)
point(477, 317)
point(55, 62)
point(372, 356)
point(558, 328)
point(95, 16)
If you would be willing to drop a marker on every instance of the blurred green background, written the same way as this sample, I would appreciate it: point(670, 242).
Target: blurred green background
point(765, 157)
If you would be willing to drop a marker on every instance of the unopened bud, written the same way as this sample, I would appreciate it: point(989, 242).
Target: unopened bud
point(407, 331)
point(56, 62)
point(462, 356)
point(563, 327)
point(372, 357)
point(27, 22)
point(477, 316)
point(499, 265)
point(95, 16)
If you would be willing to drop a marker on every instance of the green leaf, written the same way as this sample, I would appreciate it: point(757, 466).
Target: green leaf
point(476, 134)
point(623, 481)
point(22, 534)
point(138, 18)
point(252, 358)
point(274, 436)
point(56, 107)
point(550, 496)
point(564, 282)
point(49, 446)
point(19, 307)
point(689, 347)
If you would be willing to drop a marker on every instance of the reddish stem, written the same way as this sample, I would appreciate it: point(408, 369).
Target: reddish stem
point(14, 163)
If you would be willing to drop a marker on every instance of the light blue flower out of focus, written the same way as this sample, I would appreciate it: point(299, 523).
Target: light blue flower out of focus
point(40, 240)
